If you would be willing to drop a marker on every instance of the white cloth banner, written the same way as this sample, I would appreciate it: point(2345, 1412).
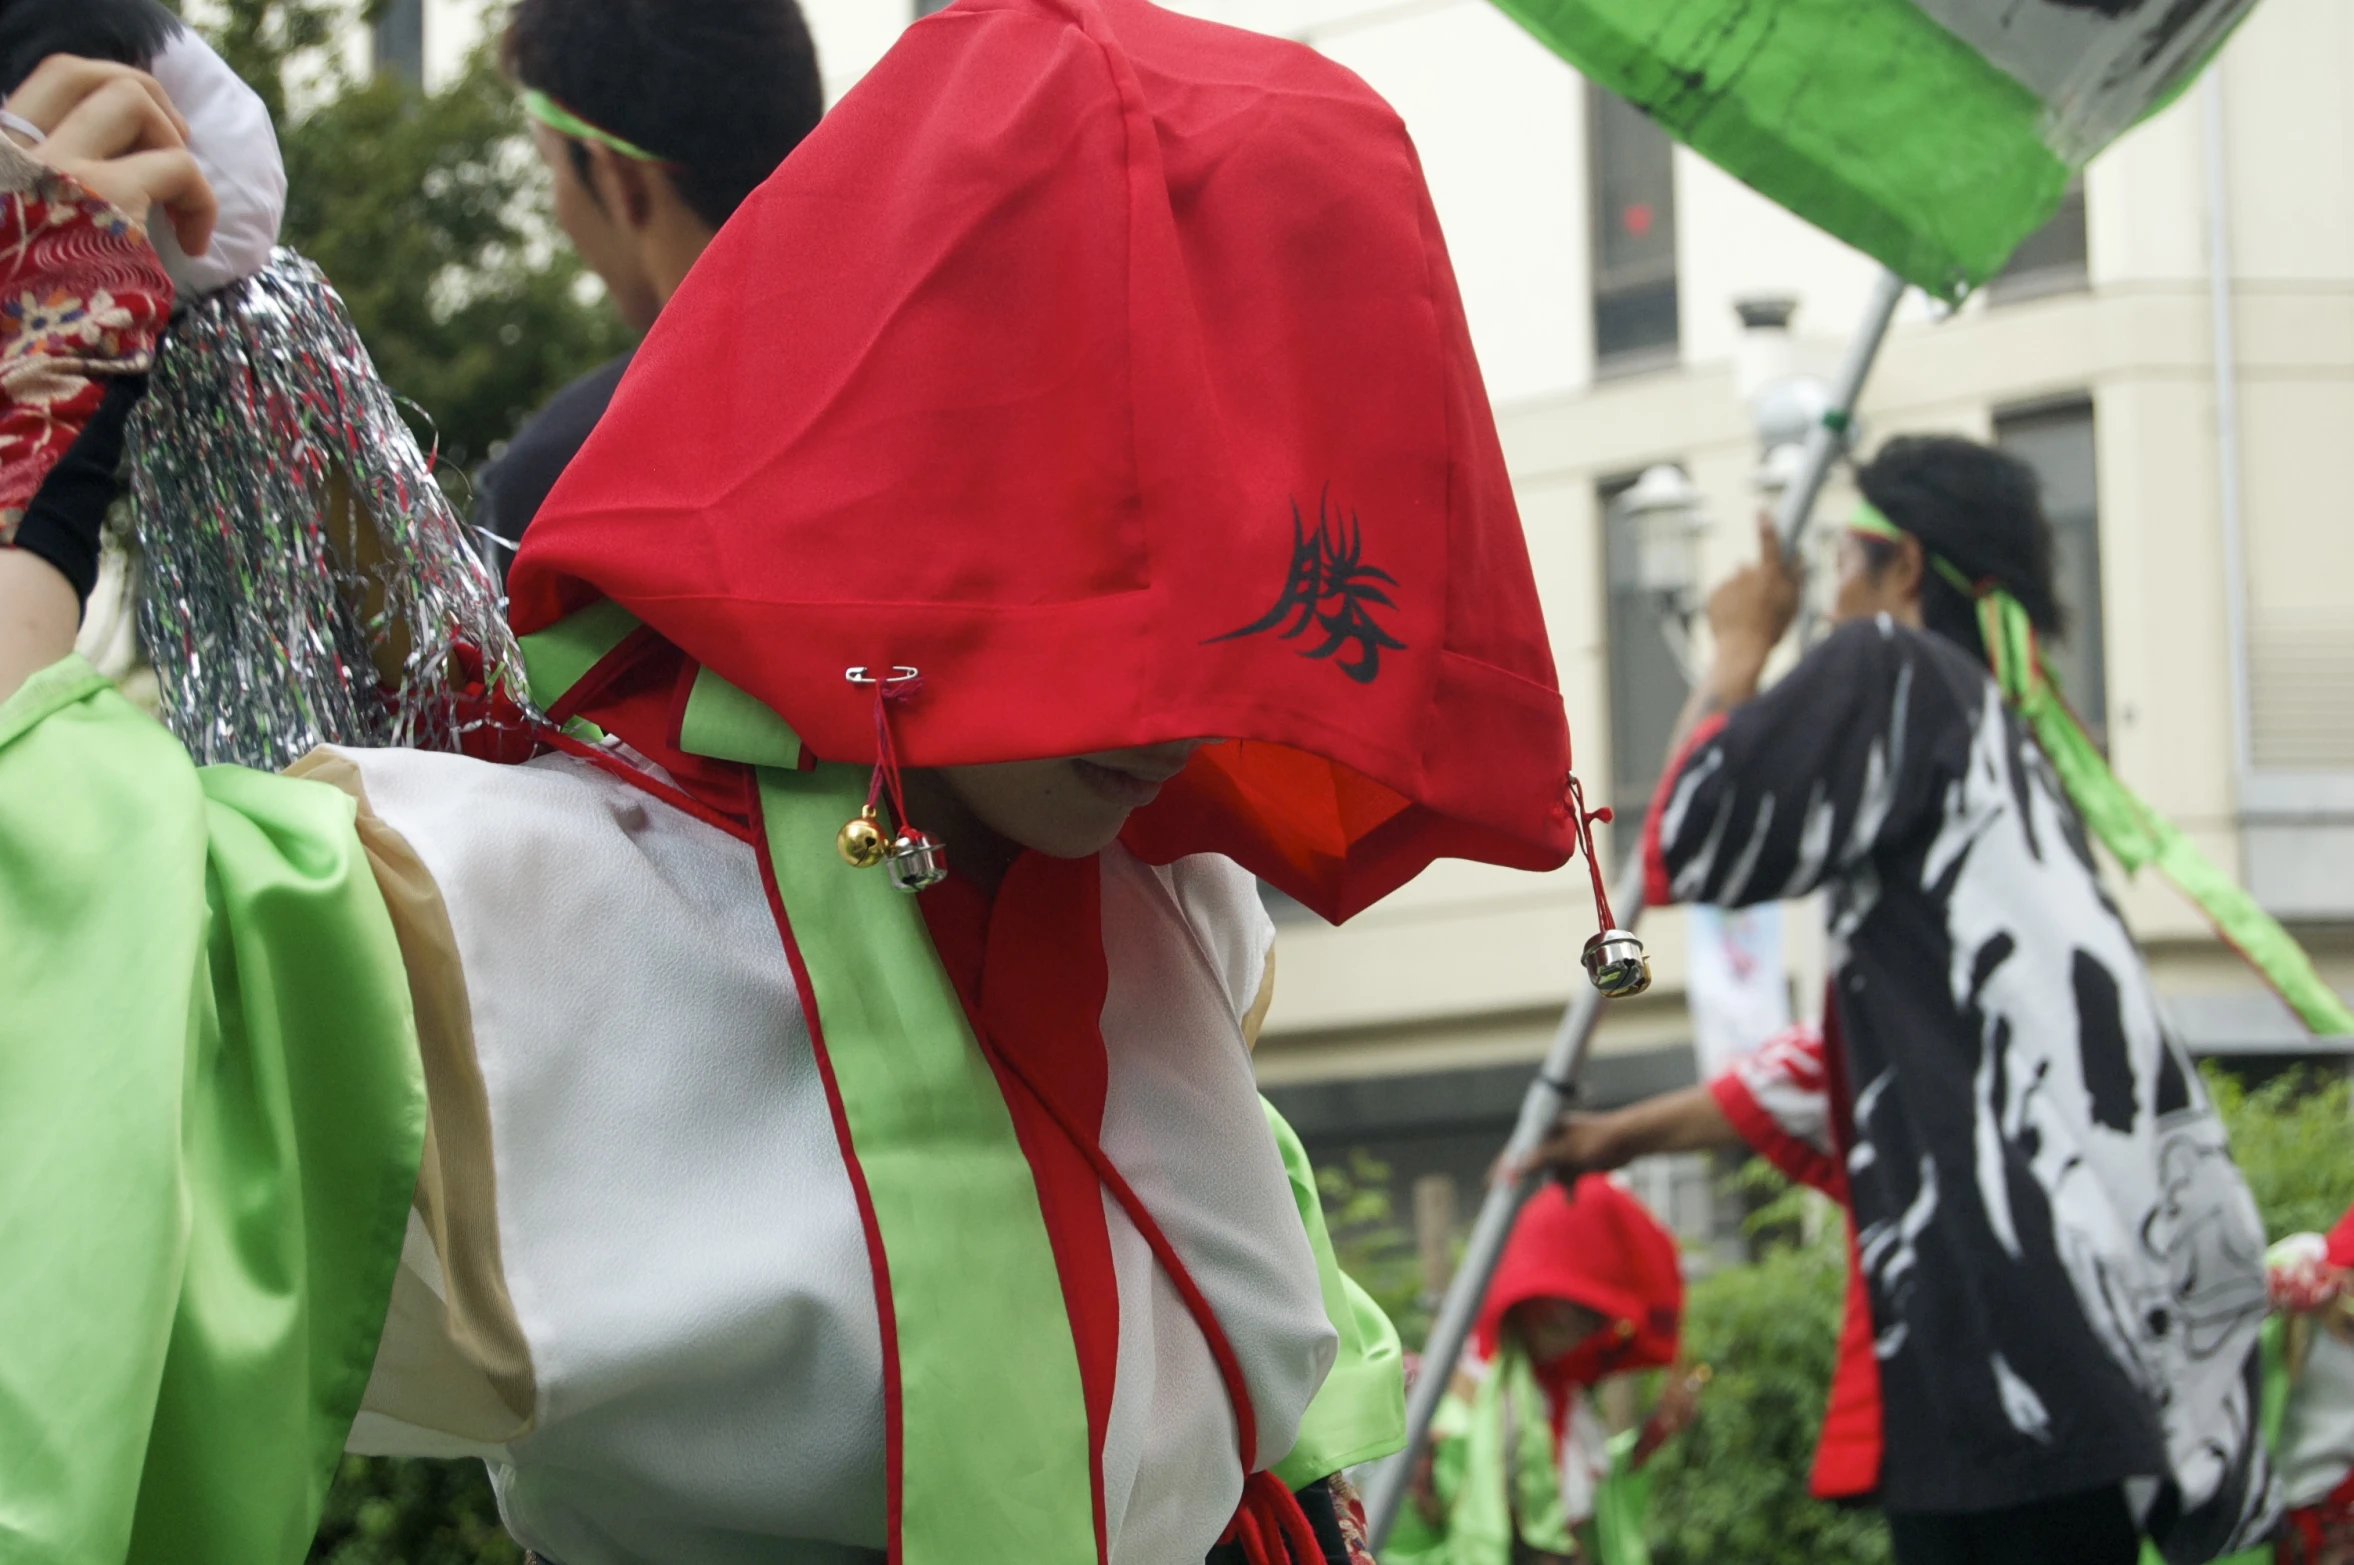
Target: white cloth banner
point(1739, 988)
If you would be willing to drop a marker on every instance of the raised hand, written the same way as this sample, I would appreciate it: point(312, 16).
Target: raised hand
point(113, 130)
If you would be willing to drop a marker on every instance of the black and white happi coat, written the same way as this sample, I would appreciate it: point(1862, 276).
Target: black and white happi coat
point(2065, 1269)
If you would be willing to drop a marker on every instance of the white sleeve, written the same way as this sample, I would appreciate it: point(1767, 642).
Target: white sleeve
point(1221, 903)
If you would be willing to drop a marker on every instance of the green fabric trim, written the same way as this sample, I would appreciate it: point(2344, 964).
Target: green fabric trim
point(724, 723)
point(559, 657)
point(211, 1110)
point(995, 1466)
point(1359, 1413)
point(1622, 1506)
point(2124, 822)
point(564, 122)
point(1864, 117)
point(1477, 1497)
point(720, 721)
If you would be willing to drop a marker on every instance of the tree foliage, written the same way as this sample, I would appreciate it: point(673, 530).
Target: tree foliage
point(1372, 1244)
point(429, 212)
point(2293, 1137)
point(432, 216)
point(1733, 1486)
point(385, 1512)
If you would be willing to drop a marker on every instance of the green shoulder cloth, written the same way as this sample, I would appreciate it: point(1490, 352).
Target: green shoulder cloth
point(211, 1110)
point(1359, 1413)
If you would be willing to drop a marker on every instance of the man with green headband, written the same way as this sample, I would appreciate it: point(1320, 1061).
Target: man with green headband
point(656, 118)
point(2052, 1340)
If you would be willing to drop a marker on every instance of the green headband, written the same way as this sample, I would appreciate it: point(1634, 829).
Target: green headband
point(2134, 832)
point(564, 122)
point(1872, 522)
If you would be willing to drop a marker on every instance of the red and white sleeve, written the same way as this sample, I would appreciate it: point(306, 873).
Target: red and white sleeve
point(1778, 1096)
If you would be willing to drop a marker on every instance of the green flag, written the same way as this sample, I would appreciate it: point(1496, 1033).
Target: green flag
point(1931, 134)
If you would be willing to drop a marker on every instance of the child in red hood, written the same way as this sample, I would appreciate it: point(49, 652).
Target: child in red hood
point(1589, 1287)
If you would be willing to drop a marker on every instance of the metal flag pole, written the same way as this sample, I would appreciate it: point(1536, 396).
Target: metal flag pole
point(1555, 1084)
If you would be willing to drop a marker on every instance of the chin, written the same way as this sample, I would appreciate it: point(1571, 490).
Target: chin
point(1079, 845)
point(1070, 839)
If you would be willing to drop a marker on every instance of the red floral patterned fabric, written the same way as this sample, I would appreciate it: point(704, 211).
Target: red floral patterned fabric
point(1353, 1529)
point(83, 297)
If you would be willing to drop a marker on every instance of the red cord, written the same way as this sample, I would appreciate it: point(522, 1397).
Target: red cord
point(1583, 820)
point(886, 775)
point(1270, 1527)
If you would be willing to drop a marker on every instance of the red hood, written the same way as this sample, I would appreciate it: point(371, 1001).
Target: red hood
point(1106, 366)
point(1603, 1250)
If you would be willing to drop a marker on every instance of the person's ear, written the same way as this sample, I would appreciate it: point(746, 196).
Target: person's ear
point(1905, 571)
point(623, 187)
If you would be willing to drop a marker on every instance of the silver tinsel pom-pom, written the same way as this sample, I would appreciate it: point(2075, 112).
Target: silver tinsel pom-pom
point(289, 530)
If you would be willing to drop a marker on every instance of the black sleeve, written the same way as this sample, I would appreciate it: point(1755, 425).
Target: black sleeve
point(64, 520)
point(1808, 778)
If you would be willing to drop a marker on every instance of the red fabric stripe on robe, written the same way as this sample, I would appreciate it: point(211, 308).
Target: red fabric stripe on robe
point(1030, 969)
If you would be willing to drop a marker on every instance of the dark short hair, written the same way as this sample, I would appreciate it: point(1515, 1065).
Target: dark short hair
point(1976, 507)
point(129, 32)
point(720, 90)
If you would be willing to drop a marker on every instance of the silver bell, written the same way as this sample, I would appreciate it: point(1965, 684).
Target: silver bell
point(1616, 964)
point(916, 860)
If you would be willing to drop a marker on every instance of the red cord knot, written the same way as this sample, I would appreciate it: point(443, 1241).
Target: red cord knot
point(1269, 1526)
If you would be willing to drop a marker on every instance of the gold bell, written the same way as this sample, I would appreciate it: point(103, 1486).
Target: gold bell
point(861, 842)
point(1616, 964)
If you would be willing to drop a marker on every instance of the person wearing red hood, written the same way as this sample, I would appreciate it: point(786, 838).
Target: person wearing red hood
point(1589, 1286)
point(2309, 1410)
point(794, 1105)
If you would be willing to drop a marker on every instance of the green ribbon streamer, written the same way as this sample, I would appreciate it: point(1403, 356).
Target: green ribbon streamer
point(2136, 833)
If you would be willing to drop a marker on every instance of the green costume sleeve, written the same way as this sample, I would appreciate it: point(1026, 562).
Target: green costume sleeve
point(211, 1110)
point(1360, 1411)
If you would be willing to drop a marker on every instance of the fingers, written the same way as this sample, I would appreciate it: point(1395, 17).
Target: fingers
point(170, 177)
point(60, 83)
point(116, 116)
point(115, 130)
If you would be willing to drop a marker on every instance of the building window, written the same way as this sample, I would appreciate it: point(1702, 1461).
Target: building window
point(2050, 260)
point(399, 40)
point(1647, 684)
point(2058, 443)
point(1631, 172)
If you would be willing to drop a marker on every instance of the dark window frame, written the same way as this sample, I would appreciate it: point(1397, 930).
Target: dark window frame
point(2080, 660)
point(1630, 297)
